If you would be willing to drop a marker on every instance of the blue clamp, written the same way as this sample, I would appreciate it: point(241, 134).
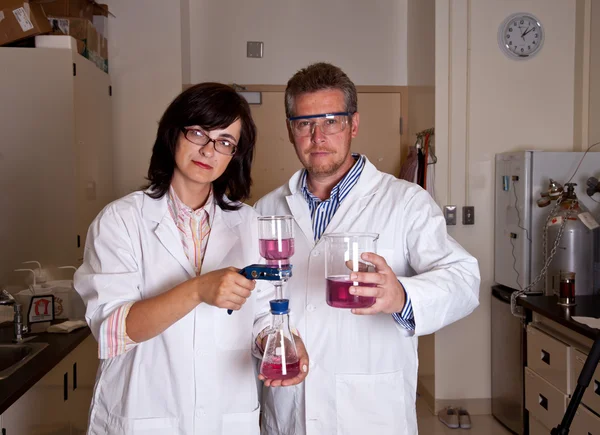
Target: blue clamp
point(266, 273)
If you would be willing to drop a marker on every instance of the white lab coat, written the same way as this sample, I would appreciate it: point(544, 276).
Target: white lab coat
point(198, 376)
point(363, 369)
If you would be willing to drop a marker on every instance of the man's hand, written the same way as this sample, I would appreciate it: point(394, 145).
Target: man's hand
point(388, 291)
point(303, 358)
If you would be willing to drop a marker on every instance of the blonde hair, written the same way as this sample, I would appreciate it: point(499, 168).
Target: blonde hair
point(318, 77)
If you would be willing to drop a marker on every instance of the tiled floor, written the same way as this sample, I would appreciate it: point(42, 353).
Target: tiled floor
point(481, 424)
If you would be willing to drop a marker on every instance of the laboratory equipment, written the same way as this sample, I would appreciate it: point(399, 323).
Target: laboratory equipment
point(566, 295)
point(522, 178)
point(280, 358)
point(276, 245)
point(570, 245)
point(342, 256)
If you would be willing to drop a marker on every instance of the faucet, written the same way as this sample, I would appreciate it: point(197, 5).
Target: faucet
point(7, 299)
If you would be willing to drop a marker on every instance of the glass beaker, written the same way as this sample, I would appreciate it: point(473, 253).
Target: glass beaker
point(280, 358)
point(566, 289)
point(276, 239)
point(343, 256)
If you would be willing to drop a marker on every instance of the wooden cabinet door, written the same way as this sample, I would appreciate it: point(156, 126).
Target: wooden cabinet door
point(275, 160)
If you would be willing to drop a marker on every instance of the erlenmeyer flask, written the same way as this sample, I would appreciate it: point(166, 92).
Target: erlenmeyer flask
point(280, 359)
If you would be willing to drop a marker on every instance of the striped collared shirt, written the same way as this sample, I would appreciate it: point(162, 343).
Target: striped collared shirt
point(321, 213)
point(193, 226)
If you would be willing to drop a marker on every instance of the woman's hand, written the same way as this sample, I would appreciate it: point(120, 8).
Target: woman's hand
point(224, 288)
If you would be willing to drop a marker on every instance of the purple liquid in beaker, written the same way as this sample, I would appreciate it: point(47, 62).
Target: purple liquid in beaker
point(273, 370)
point(338, 295)
point(274, 251)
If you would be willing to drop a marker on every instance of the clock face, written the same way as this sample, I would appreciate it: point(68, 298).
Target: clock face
point(521, 36)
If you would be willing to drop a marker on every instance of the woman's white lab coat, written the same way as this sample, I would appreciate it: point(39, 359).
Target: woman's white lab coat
point(363, 369)
point(198, 376)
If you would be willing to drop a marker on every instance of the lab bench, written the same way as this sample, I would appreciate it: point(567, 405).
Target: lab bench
point(54, 389)
point(555, 349)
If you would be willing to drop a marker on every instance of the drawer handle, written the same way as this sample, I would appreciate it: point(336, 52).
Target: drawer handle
point(66, 386)
point(579, 359)
point(74, 376)
point(543, 402)
point(545, 356)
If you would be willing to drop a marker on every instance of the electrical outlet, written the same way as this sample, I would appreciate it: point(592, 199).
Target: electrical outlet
point(468, 215)
point(450, 214)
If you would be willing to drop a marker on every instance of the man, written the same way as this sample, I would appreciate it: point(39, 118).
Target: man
point(363, 369)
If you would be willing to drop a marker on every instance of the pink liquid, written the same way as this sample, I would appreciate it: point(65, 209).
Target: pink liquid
point(273, 370)
point(275, 253)
point(338, 295)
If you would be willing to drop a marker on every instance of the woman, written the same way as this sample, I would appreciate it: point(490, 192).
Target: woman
point(157, 288)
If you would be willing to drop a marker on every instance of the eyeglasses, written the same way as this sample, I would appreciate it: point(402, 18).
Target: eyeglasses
point(199, 137)
point(329, 123)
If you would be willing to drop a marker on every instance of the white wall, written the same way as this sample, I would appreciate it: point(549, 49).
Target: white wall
point(420, 42)
point(421, 111)
point(146, 73)
point(486, 104)
point(365, 38)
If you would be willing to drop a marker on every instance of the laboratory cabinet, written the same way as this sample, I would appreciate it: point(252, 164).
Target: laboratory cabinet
point(58, 403)
point(55, 155)
point(555, 351)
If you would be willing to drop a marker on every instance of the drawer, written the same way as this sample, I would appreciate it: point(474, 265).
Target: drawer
point(537, 428)
point(591, 398)
point(544, 401)
point(549, 358)
point(585, 423)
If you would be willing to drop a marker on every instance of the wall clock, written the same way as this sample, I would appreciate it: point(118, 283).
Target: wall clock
point(521, 36)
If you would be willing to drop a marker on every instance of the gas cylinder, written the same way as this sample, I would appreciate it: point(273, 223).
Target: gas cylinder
point(574, 257)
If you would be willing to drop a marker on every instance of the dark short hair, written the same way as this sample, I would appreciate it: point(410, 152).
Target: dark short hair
point(319, 77)
point(210, 106)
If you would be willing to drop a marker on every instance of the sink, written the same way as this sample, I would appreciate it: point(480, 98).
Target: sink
point(13, 356)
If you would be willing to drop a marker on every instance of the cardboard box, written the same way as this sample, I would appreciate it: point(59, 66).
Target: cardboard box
point(69, 8)
point(21, 19)
point(100, 19)
point(80, 29)
point(104, 53)
point(103, 47)
point(95, 46)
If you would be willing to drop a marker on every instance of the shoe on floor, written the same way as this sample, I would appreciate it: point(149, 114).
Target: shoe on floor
point(449, 417)
point(464, 419)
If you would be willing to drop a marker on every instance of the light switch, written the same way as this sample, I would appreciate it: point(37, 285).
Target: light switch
point(468, 215)
point(450, 214)
point(254, 49)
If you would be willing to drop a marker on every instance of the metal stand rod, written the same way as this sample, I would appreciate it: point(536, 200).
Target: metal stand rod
point(583, 381)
